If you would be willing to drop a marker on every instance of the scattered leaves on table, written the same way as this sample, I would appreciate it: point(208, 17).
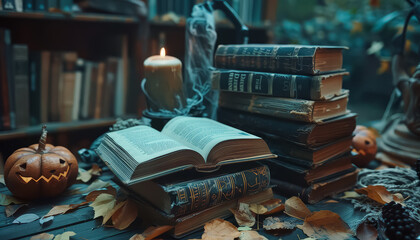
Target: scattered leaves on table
point(325, 224)
point(103, 204)
point(151, 233)
point(42, 236)
point(12, 209)
point(124, 216)
point(251, 235)
point(92, 195)
point(243, 216)
point(351, 194)
point(97, 184)
point(379, 194)
point(7, 200)
point(86, 176)
point(45, 219)
point(65, 235)
point(366, 231)
point(294, 207)
point(62, 209)
point(219, 229)
point(26, 218)
point(276, 226)
point(268, 207)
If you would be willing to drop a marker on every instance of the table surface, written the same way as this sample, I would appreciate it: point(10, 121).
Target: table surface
point(82, 223)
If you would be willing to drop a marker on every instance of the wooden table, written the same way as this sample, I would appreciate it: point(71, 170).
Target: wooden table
point(82, 223)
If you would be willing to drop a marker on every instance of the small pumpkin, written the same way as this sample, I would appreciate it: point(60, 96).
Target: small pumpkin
point(364, 143)
point(40, 170)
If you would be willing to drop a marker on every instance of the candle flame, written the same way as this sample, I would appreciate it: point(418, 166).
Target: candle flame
point(162, 52)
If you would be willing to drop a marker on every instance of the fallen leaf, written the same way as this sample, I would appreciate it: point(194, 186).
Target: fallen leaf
point(86, 176)
point(65, 235)
point(42, 236)
point(325, 224)
point(26, 218)
point(331, 201)
point(244, 228)
point(152, 232)
point(268, 207)
point(378, 193)
point(243, 216)
point(103, 204)
point(97, 184)
point(62, 209)
point(125, 215)
point(137, 237)
point(366, 231)
point(92, 195)
point(219, 229)
point(274, 223)
point(2, 179)
point(111, 213)
point(12, 209)
point(351, 194)
point(45, 219)
point(294, 207)
point(7, 200)
point(251, 235)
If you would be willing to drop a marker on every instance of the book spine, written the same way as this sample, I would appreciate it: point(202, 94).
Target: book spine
point(21, 84)
point(280, 59)
point(199, 195)
point(271, 84)
point(34, 87)
point(4, 79)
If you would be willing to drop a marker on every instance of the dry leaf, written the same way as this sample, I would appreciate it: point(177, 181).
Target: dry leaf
point(152, 232)
point(62, 209)
point(137, 237)
point(45, 219)
point(244, 229)
point(65, 235)
point(378, 193)
point(268, 207)
point(294, 207)
point(351, 194)
point(97, 184)
point(111, 213)
point(219, 229)
point(366, 231)
point(243, 215)
point(251, 235)
point(103, 204)
point(325, 224)
point(125, 215)
point(26, 218)
point(2, 179)
point(42, 236)
point(86, 176)
point(275, 223)
point(92, 195)
point(7, 200)
point(12, 209)
point(331, 201)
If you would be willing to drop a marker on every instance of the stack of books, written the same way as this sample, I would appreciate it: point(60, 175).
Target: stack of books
point(191, 172)
point(292, 97)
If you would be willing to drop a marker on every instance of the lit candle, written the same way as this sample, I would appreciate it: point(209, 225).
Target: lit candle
point(164, 82)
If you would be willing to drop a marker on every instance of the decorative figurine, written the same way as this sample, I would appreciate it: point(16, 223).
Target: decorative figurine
point(364, 143)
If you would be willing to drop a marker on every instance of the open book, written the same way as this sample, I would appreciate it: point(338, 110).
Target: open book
point(141, 153)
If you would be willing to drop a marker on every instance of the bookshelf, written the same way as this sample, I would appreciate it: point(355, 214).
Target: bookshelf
point(95, 37)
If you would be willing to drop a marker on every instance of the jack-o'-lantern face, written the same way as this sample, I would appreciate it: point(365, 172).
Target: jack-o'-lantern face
point(32, 173)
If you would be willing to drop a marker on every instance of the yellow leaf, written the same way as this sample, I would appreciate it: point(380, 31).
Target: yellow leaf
point(325, 225)
point(94, 194)
point(294, 207)
point(110, 213)
point(7, 200)
point(351, 194)
point(12, 209)
point(243, 215)
point(251, 235)
point(137, 237)
point(62, 209)
point(219, 229)
point(379, 194)
point(124, 216)
point(85, 176)
point(103, 204)
point(65, 235)
point(42, 236)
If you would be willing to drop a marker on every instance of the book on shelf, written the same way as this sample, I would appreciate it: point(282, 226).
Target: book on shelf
point(77, 93)
point(54, 86)
point(315, 192)
point(109, 87)
point(67, 86)
point(141, 153)
point(186, 224)
point(35, 87)
point(288, 59)
point(302, 133)
point(180, 194)
point(320, 87)
point(287, 108)
point(99, 90)
point(45, 86)
point(287, 169)
point(6, 81)
point(21, 84)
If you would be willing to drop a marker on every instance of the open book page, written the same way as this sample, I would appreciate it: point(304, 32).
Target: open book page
point(144, 143)
point(202, 134)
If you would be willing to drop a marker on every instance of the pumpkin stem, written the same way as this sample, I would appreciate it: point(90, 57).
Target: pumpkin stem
point(42, 140)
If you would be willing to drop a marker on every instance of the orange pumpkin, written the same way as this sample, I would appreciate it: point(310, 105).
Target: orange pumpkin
point(40, 170)
point(364, 142)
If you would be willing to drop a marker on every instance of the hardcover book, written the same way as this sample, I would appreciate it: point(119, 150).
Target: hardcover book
point(6, 80)
point(286, 108)
point(141, 153)
point(181, 194)
point(289, 59)
point(302, 133)
point(320, 87)
point(21, 84)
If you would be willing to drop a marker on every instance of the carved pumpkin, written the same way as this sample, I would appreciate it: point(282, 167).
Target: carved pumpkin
point(364, 142)
point(40, 170)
